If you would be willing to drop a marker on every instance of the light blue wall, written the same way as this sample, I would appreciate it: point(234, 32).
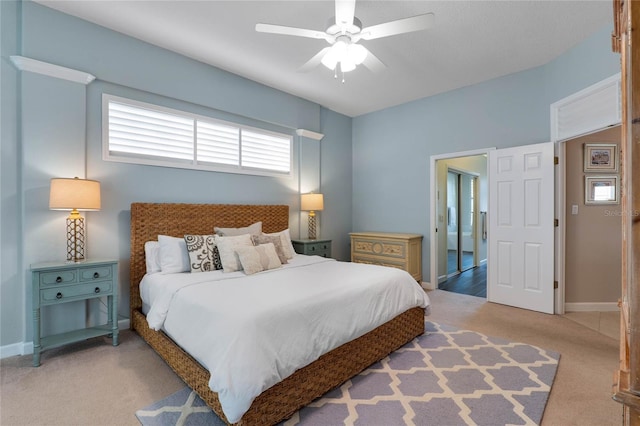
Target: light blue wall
point(392, 147)
point(61, 137)
point(11, 287)
point(335, 178)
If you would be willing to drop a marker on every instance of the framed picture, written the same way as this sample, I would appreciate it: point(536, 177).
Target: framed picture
point(601, 157)
point(601, 190)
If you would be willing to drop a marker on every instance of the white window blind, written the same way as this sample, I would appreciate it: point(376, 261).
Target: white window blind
point(265, 151)
point(218, 143)
point(142, 133)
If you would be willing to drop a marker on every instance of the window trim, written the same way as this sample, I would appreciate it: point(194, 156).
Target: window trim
point(193, 164)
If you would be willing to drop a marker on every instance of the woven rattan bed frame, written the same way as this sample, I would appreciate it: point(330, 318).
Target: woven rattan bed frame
point(148, 220)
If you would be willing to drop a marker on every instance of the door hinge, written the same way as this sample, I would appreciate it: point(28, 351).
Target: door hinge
point(556, 160)
point(555, 284)
point(555, 222)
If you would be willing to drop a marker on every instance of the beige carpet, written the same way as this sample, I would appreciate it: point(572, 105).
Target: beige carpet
point(93, 383)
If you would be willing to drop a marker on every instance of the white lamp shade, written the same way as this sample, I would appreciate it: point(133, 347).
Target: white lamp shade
point(312, 202)
point(79, 194)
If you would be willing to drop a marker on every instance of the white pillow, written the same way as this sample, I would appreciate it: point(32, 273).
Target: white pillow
point(254, 229)
point(227, 247)
point(152, 257)
point(258, 258)
point(174, 256)
point(287, 245)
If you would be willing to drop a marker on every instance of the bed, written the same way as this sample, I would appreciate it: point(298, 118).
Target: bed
point(283, 399)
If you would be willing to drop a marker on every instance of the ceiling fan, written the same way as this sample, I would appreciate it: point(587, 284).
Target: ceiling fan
point(343, 34)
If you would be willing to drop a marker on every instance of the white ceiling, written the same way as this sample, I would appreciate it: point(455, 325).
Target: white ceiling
point(470, 42)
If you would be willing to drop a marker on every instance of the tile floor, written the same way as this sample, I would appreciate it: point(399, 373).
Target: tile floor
point(607, 323)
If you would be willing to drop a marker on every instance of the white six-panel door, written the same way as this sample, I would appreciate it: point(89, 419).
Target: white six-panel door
point(521, 227)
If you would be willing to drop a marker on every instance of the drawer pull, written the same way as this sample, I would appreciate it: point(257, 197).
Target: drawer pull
point(58, 279)
point(313, 248)
point(97, 290)
point(59, 295)
point(96, 275)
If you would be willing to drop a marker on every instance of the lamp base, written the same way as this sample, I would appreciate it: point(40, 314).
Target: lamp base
point(75, 239)
point(312, 225)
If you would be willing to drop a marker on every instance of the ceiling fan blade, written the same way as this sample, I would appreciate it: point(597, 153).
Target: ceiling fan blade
point(345, 11)
point(300, 32)
point(314, 62)
point(401, 26)
point(372, 62)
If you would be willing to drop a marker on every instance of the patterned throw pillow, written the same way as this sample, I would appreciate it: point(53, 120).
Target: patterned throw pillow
point(203, 253)
point(287, 246)
point(258, 258)
point(273, 239)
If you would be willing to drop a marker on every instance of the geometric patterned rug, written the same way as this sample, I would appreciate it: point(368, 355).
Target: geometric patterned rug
point(446, 376)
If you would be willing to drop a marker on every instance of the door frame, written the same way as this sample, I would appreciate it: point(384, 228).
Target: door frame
point(586, 98)
point(433, 225)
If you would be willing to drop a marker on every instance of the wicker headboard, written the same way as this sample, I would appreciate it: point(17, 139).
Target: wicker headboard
point(148, 220)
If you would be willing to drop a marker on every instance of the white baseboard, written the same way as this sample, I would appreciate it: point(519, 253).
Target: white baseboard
point(26, 348)
point(427, 286)
point(124, 324)
point(591, 307)
point(15, 349)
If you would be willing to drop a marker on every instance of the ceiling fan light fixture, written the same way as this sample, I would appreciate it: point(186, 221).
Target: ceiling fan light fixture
point(346, 65)
point(357, 53)
point(334, 55)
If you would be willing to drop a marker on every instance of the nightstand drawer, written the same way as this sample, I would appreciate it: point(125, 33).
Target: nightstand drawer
point(58, 277)
point(81, 291)
point(312, 247)
point(319, 248)
point(97, 273)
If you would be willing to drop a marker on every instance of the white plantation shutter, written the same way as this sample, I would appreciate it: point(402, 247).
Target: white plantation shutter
point(266, 151)
point(140, 131)
point(136, 132)
point(218, 143)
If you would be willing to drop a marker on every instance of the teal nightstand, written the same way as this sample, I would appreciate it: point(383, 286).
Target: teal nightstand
point(58, 282)
point(312, 247)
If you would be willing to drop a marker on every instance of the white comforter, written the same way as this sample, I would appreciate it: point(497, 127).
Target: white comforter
point(253, 331)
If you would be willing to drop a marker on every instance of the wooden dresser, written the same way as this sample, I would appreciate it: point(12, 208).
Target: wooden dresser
point(403, 251)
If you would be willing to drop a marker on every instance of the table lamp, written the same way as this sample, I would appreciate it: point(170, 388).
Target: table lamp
point(74, 195)
point(312, 203)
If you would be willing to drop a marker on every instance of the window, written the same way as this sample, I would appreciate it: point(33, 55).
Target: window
point(141, 133)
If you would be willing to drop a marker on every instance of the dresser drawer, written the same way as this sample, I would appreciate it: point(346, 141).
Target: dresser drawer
point(400, 264)
point(80, 291)
point(58, 277)
point(95, 273)
point(380, 248)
